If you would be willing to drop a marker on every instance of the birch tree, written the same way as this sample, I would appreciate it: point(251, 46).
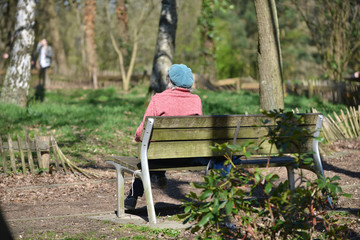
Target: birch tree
point(269, 56)
point(16, 83)
point(165, 46)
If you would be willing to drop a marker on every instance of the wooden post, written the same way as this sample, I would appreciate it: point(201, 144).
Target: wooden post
point(311, 88)
point(238, 84)
point(3, 156)
point(21, 155)
point(12, 156)
point(45, 154)
point(57, 152)
point(38, 154)
point(30, 158)
point(52, 140)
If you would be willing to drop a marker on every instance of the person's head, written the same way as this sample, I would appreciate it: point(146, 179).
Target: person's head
point(180, 76)
point(44, 42)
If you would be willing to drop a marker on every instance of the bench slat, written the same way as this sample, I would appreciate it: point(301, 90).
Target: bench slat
point(219, 121)
point(188, 149)
point(183, 164)
point(175, 134)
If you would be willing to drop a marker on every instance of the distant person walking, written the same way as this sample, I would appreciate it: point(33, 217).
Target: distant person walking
point(44, 53)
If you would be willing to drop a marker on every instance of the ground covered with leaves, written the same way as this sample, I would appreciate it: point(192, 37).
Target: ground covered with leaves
point(59, 206)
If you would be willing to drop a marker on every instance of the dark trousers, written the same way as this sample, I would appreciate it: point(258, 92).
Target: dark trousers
point(44, 77)
point(137, 189)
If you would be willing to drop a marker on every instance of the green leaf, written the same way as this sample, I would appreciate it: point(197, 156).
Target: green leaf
point(268, 188)
point(229, 207)
point(348, 195)
point(205, 219)
point(196, 185)
point(187, 209)
point(206, 194)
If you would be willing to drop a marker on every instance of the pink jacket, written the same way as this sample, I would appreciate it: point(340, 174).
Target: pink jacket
point(171, 102)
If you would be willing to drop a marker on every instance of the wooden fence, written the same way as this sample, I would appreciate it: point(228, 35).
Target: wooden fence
point(346, 92)
point(342, 126)
point(33, 155)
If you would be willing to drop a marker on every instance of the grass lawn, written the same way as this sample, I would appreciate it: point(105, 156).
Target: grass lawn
point(90, 123)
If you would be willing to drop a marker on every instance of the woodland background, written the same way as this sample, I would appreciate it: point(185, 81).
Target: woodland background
point(319, 39)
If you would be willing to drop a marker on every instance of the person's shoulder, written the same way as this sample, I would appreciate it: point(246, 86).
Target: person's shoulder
point(163, 93)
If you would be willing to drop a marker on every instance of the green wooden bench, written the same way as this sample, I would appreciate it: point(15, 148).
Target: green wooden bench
point(169, 142)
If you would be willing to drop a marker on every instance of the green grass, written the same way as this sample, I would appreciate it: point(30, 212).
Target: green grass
point(128, 231)
point(215, 103)
point(92, 123)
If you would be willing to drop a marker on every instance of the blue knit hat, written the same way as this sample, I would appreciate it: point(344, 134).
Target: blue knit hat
point(181, 75)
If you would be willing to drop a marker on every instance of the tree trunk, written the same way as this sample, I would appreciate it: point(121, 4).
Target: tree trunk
point(122, 16)
point(16, 84)
point(89, 25)
point(269, 60)
point(56, 42)
point(76, 7)
point(207, 38)
point(8, 18)
point(165, 46)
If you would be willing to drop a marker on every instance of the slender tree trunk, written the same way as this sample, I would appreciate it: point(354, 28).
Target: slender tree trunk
point(56, 43)
point(121, 50)
point(122, 16)
point(207, 38)
point(165, 46)
point(89, 24)
point(16, 84)
point(269, 60)
point(76, 8)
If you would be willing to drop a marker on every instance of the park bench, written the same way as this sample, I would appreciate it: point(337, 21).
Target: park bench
point(169, 142)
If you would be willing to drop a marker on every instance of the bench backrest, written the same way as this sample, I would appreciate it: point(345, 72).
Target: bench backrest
point(192, 136)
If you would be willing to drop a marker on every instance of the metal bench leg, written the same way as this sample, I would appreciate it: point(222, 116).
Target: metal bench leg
point(119, 188)
point(320, 172)
point(290, 172)
point(149, 197)
point(316, 156)
point(145, 176)
point(120, 192)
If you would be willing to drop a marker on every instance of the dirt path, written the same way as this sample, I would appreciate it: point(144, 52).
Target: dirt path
point(58, 205)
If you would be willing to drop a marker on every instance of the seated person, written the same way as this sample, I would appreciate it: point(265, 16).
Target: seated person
point(176, 100)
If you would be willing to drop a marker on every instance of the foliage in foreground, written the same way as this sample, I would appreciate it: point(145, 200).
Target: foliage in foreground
point(248, 203)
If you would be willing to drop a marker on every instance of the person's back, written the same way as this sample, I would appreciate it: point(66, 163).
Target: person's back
point(176, 100)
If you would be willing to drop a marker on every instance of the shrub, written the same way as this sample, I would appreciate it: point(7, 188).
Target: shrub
point(247, 203)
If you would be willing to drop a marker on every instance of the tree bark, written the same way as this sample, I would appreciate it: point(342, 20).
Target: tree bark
point(123, 21)
point(6, 34)
point(269, 59)
point(207, 37)
point(165, 46)
point(56, 43)
point(16, 83)
point(76, 7)
point(89, 25)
